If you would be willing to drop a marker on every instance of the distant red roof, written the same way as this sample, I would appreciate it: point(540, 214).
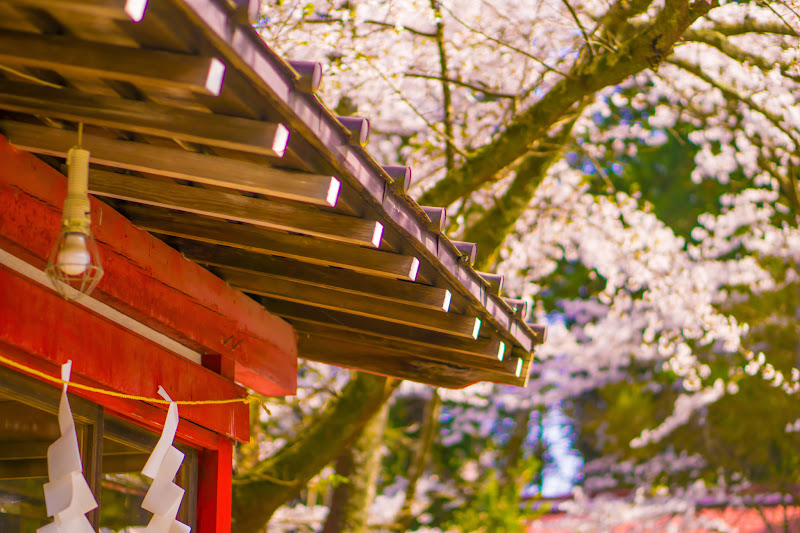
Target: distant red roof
point(740, 520)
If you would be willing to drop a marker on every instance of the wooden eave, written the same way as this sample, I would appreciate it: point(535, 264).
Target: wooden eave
point(186, 113)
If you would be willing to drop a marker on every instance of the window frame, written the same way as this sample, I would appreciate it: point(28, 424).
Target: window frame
point(93, 424)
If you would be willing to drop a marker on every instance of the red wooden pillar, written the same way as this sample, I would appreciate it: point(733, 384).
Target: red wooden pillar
point(214, 488)
point(215, 476)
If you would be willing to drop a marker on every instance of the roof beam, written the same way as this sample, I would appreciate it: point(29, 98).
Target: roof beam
point(269, 267)
point(180, 164)
point(302, 248)
point(340, 353)
point(256, 211)
point(27, 309)
point(364, 351)
point(357, 304)
point(243, 50)
point(117, 9)
point(80, 58)
point(265, 138)
point(487, 348)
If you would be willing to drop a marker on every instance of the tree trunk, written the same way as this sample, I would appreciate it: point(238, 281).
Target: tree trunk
point(511, 476)
point(490, 230)
point(258, 493)
point(360, 464)
point(422, 453)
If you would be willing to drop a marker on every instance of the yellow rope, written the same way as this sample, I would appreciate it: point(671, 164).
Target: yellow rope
point(250, 398)
point(29, 77)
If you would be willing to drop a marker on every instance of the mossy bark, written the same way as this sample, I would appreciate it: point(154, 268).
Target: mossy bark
point(420, 459)
point(491, 229)
point(360, 463)
point(275, 481)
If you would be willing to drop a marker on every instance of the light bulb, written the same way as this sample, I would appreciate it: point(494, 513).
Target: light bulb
point(73, 257)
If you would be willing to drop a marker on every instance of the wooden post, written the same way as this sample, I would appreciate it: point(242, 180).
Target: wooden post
point(214, 488)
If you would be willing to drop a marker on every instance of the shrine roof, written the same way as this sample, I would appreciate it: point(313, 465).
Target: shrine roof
point(204, 136)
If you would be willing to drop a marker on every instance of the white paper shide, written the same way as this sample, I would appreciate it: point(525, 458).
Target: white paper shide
point(164, 497)
point(67, 494)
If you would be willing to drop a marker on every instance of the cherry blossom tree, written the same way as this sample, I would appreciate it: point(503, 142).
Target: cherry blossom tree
point(537, 125)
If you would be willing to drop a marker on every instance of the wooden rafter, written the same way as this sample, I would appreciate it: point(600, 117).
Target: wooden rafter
point(71, 57)
point(243, 50)
point(117, 9)
point(348, 302)
point(258, 240)
point(242, 134)
point(380, 343)
point(489, 348)
point(432, 366)
point(237, 174)
point(257, 211)
point(268, 267)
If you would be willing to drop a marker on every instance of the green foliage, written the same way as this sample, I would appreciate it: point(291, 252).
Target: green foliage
point(494, 508)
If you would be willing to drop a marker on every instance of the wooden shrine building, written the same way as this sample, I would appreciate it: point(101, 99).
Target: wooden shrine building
point(240, 225)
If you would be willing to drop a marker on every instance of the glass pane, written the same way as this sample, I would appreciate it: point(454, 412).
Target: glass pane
point(122, 488)
point(25, 434)
point(126, 449)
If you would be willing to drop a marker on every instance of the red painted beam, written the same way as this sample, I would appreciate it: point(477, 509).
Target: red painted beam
point(147, 280)
point(142, 414)
point(38, 321)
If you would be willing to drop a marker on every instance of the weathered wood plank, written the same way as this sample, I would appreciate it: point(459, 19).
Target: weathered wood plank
point(391, 290)
point(242, 48)
point(487, 348)
point(401, 177)
point(71, 57)
point(118, 9)
point(237, 174)
point(374, 361)
point(236, 133)
point(371, 353)
point(257, 211)
point(357, 304)
point(258, 240)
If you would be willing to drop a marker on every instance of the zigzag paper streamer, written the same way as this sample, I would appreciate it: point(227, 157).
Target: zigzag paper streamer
point(67, 496)
point(164, 497)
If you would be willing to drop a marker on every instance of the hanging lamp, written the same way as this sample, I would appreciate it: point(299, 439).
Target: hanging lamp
point(74, 264)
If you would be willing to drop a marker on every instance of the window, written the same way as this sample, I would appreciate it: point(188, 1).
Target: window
point(113, 452)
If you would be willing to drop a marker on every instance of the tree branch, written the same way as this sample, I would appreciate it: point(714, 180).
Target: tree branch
point(583, 30)
point(387, 25)
point(420, 458)
point(719, 41)
point(360, 464)
point(447, 97)
point(619, 16)
point(400, 95)
point(732, 94)
point(645, 50)
point(465, 84)
point(753, 26)
point(504, 44)
point(491, 229)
